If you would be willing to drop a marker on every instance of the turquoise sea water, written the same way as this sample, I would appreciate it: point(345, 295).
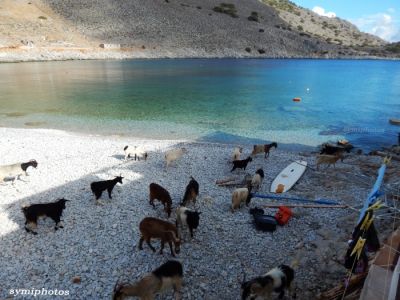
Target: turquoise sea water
point(222, 100)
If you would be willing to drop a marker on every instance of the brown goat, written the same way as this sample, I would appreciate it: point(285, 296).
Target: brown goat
point(329, 159)
point(263, 148)
point(159, 229)
point(161, 194)
point(164, 277)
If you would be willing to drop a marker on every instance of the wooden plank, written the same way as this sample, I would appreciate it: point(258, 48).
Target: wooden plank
point(305, 205)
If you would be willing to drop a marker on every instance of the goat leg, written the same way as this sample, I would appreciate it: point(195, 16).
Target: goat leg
point(29, 229)
point(170, 247)
point(152, 203)
point(162, 247)
point(151, 247)
point(177, 289)
point(109, 190)
point(141, 243)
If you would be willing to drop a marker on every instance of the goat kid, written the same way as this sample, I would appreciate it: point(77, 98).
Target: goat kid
point(257, 179)
point(99, 186)
point(191, 192)
point(241, 164)
point(329, 159)
point(277, 280)
point(157, 192)
point(188, 218)
point(16, 170)
point(263, 148)
point(173, 155)
point(135, 152)
point(159, 229)
point(52, 210)
point(168, 275)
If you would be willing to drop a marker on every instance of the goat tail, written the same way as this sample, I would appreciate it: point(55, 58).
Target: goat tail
point(24, 208)
point(295, 263)
point(296, 260)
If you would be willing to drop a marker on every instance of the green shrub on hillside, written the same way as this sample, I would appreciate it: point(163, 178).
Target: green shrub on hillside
point(42, 18)
point(253, 17)
point(226, 8)
point(282, 5)
point(394, 47)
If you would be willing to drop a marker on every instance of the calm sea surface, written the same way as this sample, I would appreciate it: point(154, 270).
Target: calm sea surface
point(221, 100)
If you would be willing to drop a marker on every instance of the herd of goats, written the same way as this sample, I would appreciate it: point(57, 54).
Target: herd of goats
point(170, 274)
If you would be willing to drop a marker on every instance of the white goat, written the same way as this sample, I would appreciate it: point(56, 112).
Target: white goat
point(16, 170)
point(174, 154)
point(257, 179)
point(236, 153)
point(239, 196)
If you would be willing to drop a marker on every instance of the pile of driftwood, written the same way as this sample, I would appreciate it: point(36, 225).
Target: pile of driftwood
point(349, 290)
point(235, 181)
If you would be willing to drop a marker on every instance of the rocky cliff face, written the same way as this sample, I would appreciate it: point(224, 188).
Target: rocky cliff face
point(332, 30)
point(183, 28)
point(197, 28)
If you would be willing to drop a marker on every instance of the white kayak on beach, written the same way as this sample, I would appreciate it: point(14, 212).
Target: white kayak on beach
point(288, 177)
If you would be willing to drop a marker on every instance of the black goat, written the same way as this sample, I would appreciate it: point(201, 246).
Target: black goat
point(191, 192)
point(334, 149)
point(52, 210)
point(241, 164)
point(99, 186)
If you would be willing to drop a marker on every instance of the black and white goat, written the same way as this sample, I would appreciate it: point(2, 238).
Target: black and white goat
point(188, 218)
point(98, 187)
point(16, 170)
point(191, 192)
point(136, 152)
point(277, 280)
point(164, 277)
point(241, 164)
point(52, 210)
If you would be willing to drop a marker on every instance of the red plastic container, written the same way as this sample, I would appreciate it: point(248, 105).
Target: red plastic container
point(283, 215)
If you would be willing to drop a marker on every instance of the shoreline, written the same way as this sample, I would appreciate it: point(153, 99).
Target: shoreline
point(201, 140)
point(98, 243)
point(44, 55)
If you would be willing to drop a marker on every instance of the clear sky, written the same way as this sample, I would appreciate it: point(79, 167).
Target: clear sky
point(379, 17)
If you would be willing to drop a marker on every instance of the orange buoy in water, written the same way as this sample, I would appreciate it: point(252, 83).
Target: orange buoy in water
point(297, 99)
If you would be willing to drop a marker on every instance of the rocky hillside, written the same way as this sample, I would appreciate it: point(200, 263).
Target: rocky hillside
point(176, 28)
point(332, 30)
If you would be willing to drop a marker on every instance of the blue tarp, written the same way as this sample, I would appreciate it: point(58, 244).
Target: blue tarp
point(375, 193)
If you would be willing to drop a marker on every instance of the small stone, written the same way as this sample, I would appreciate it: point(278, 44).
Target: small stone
point(76, 279)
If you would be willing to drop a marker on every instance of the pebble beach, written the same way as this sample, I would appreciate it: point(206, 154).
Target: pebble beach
point(98, 245)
